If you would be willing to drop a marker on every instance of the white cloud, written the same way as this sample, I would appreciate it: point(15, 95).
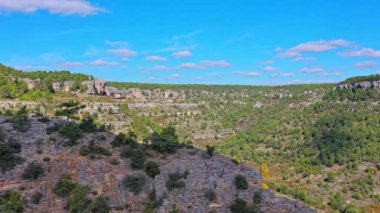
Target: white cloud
point(365, 64)
point(201, 79)
point(332, 74)
point(65, 7)
point(268, 62)
point(161, 68)
point(300, 58)
point(123, 52)
point(152, 78)
point(190, 66)
point(311, 69)
point(31, 68)
point(175, 76)
point(313, 47)
point(182, 54)
point(101, 62)
point(364, 52)
point(155, 58)
point(218, 63)
point(251, 74)
point(73, 64)
point(287, 74)
point(271, 69)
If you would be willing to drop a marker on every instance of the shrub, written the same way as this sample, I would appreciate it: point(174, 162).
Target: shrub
point(336, 202)
point(93, 149)
point(152, 169)
point(20, 120)
point(240, 182)
point(33, 171)
point(64, 186)
point(78, 200)
point(115, 162)
point(46, 159)
point(210, 150)
point(330, 177)
point(167, 141)
point(134, 183)
point(36, 197)
point(2, 134)
point(71, 132)
point(175, 181)
point(8, 156)
point(210, 195)
point(137, 159)
point(11, 202)
point(100, 205)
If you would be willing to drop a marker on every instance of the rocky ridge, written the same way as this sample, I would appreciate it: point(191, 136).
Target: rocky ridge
point(360, 85)
point(103, 178)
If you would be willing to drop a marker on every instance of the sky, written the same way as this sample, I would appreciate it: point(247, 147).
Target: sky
point(248, 42)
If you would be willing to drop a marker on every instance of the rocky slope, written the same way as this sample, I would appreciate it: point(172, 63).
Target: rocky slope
point(105, 178)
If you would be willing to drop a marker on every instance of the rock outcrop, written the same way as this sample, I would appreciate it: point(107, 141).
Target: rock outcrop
point(360, 85)
point(32, 84)
point(103, 178)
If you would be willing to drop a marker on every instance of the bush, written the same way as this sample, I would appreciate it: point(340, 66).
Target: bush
point(11, 202)
point(336, 202)
point(71, 132)
point(92, 149)
point(32, 172)
point(210, 195)
point(2, 134)
point(20, 120)
point(137, 159)
point(240, 182)
point(36, 198)
point(78, 200)
point(134, 183)
point(100, 205)
point(330, 177)
point(8, 156)
point(152, 169)
point(46, 159)
point(210, 150)
point(175, 181)
point(167, 141)
point(64, 186)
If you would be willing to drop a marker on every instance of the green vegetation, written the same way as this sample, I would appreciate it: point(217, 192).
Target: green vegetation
point(210, 150)
point(8, 155)
point(134, 184)
point(152, 169)
point(166, 141)
point(210, 195)
point(78, 200)
point(361, 78)
point(241, 206)
point(93, 150)
point(11, 202)
point(71, 132)
point(33, 172)
point(176, 180)
point(64, 186)
point(36, 197)
point(69, 109)
point(20, 120)
point(240, 182)
point(100, 206)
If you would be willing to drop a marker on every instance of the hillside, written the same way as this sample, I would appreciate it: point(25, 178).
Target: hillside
point(315, 143)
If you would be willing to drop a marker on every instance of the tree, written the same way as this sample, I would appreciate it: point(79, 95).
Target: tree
point(11, 202)
point(69, 109)
point(134, 183)
point(166, 141)
point(64, 186)
point(240, 182)
point(78, 200)
point(20, 120)
point(152, 169)
point(33, 171)
point(100, 205)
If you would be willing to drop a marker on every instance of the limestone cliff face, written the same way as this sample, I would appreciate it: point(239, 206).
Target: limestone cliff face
point(360, 85)
point(106, 179)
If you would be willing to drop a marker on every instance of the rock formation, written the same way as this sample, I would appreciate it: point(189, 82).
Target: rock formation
point(32, 84)
point(360, 85)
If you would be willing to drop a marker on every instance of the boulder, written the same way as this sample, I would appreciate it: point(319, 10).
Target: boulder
point(67, 86)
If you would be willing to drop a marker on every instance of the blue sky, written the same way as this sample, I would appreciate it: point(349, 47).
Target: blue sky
point(194, 41)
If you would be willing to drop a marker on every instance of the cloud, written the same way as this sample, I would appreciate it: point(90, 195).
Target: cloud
point(175, 76)
point(30, 68)
point(364, 52)
point(271, 69)
point(218, 63)
point(123, 52)
point(300, 58)
point(378, 72)
point(101, 62)
point(313, 47)
point(250, 74)
point(287, 74)
point(73, 64)
point(190, 66)
point(155, 58)
point(152, 78)
point(182, 54)
point(178, 43)
point(268, 62)
point(311, 69)
point(365, 64)
point(64, 7)
point(161, 68)
point(332, 74)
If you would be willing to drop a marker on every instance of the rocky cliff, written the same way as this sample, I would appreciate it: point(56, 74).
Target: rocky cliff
point(360, 85)
point(104, 177)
